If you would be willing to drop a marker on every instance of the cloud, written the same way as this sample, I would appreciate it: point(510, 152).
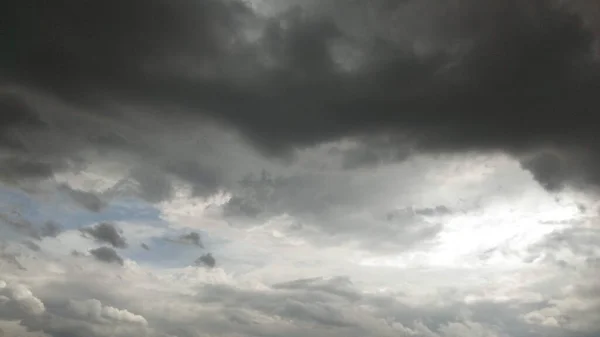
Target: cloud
point(88, 200)
point(340, 286)
point(32, 245)
point(192, 238)
point(50, 229)
point(324, 126)
point(431, 211)
point(106, 254)
point(95, 300)
point(76, 253)
point(106, 233)
point(571, 247)
point(206, 260)
point(94, 310)
point(11, 259)
point(14, 169)
point(330, 208)
point(422, 73)
point(18, 302)
point(67, 318)
point(21, 225)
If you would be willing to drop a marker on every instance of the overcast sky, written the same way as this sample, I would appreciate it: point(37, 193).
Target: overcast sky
point(270, 168)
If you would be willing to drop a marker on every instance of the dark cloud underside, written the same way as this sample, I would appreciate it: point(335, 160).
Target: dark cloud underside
point(511, 75)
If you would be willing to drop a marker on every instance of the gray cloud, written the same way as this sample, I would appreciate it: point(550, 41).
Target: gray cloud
point(17, 302)
point(106, 233)
point(19, 224)
point(335, 307)
point(32, 245)
point(88, 200)
point(340, 286)
point(76, 253)
point(578, 244)
point(328, 209)
point(11, 259)
point(50, 229)
point(192, 238)
point(75, 318)
point(154, 184)
point(320, 306)
point(430, 71)
point(107, 254)
point(427, 76)
point(206, 260)
point(15, 169)
point(432, 211)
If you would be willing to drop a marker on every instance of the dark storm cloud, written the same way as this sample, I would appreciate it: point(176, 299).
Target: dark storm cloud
point(15, 169)
point(372, 151)
point(106, 254)
point(509, 75)
point(106, 233)
point(66, 45)
point(15, 113)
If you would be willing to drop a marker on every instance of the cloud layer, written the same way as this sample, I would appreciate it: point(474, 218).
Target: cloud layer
point(434, 76)
point(205, 168)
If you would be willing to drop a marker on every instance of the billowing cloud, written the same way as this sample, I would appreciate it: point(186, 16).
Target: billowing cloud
point(89, 299)
point(17, 302)
point(71, 318)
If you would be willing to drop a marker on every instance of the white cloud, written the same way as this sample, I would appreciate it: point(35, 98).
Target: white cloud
point(318, 263)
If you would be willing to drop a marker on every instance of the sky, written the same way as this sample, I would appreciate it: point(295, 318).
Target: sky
point(268, 168)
